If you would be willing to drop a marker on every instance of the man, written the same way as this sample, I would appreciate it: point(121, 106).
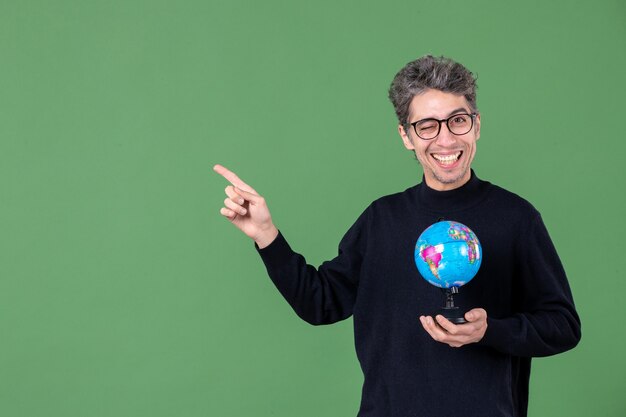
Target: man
point(518, 306)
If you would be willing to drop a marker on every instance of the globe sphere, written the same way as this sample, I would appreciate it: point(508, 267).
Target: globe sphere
point(448, 254)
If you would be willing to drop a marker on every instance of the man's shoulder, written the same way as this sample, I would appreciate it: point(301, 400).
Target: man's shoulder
point(397, 199)
point(510, 201)
point(388, 206)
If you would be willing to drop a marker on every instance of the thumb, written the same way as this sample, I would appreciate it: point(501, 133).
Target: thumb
point(475, 314)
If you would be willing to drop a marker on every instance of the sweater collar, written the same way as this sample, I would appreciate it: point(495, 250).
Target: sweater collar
point(467, 195)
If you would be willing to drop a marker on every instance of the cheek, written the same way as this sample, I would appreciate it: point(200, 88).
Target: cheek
point(421, 154)
point(420, 151)
point(472, 149)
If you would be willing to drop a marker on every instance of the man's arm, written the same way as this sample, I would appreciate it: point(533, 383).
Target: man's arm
point(321, 295)
point(546, 322)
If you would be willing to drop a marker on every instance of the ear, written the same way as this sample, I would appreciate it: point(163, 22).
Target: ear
point(477, 126)
point(408, 143)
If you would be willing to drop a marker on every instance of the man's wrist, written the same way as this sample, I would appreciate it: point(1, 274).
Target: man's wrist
point(266, 237)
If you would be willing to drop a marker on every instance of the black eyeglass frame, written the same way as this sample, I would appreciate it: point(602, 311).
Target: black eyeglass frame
point(439, 121)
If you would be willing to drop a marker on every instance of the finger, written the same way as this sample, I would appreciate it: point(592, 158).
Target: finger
point(433, 330)
point(447, 324)
point(252, 197)
point(232, 177)
point(230, 204)
point(460, 331)
point(228, 213)
point(439, 335)
point(233, 195)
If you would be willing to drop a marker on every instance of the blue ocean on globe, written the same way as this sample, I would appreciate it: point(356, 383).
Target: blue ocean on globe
point(448, 254)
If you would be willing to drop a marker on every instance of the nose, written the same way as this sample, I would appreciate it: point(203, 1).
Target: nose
point(445, 137)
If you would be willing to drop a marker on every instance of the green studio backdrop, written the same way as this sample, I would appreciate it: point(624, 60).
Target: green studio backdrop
point(122, 290)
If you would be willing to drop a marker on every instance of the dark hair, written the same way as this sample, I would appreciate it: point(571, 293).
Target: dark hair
point(428, 72)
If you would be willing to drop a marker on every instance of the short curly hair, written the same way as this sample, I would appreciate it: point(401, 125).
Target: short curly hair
point(429, 72)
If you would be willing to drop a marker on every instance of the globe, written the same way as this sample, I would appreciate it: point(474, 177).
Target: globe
point(448, 254)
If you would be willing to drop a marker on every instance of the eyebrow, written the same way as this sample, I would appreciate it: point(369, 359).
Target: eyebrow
point(453, 112)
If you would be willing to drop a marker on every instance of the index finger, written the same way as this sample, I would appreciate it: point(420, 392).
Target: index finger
point(447, 325)
point(232, 178)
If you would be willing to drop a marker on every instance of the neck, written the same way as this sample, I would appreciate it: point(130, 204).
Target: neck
point(454, 198)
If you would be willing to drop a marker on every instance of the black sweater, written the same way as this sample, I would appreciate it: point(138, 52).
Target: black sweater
point(521, 284)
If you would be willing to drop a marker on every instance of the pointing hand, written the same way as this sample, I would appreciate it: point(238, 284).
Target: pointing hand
point(246, 209)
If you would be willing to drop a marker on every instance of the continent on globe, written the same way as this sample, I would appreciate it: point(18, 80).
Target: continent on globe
point(459, 231)
point(431, 255)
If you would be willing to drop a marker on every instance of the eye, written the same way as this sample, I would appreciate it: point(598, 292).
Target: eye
point(427, 126)
point(459, 119)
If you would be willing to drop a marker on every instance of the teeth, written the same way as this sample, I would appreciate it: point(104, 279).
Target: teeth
point(447, 159)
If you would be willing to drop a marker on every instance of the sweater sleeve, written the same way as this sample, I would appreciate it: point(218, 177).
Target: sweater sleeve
point(545, 322)
point(322, 295)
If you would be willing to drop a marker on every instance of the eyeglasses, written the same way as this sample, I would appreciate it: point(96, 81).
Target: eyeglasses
point(458, 124)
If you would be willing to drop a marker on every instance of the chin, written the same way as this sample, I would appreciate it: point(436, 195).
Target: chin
point(451, 178)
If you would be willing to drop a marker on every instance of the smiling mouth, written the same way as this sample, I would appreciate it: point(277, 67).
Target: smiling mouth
point(447, 159)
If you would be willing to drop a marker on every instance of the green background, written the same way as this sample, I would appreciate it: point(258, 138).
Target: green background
point(123, 292)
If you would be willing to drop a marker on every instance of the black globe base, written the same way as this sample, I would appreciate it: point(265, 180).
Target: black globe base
point(453, 314)
point(449, 310)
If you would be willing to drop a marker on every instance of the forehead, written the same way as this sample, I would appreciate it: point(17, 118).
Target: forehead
point(437, 104)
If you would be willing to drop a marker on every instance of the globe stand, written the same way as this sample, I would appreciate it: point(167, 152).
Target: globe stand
point(449, 310)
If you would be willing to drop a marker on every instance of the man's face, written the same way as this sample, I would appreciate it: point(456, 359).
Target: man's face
point(446, 159)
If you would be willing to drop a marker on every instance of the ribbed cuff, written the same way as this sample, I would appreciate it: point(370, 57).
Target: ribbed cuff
point(277, 253)
point(496, 335)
